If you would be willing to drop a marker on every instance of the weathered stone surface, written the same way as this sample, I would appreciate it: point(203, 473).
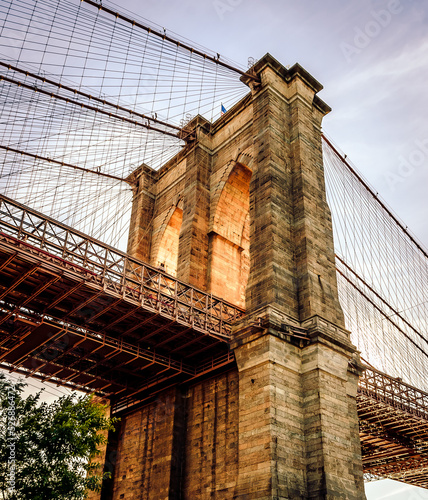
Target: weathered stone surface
point(143, 202)
point(241, 212)
point(102, 457)
point(182, 445)
point(146, 462)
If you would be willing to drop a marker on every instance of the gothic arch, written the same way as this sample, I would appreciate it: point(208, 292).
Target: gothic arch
point(165, 247)
point(229, 234)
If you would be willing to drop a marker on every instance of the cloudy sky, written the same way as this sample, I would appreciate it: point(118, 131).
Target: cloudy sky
point(372, 58)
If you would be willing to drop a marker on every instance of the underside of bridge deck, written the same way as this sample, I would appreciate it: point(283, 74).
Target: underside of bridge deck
point(58, 327)
point(79, 314)
point(393, 429)
point(66, 321)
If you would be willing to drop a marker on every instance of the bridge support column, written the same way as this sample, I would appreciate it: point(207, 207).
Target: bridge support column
point(193, 243)
point(101, 459)
point(329, 389)
point(148, 459)
point(298, 425)
point(143, 201)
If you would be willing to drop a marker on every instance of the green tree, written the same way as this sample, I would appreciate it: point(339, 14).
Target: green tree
point(46, 450)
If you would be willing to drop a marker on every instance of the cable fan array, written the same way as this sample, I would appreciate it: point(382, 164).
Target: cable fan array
point(382, 275)
point(86, 96)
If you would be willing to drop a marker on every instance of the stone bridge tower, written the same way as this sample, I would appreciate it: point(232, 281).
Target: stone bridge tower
point(241, 212)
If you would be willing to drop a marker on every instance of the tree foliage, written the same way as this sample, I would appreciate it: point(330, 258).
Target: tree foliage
point(47, 450)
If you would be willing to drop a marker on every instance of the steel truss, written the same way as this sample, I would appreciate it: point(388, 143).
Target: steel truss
point(79, 313)
point(393, 428)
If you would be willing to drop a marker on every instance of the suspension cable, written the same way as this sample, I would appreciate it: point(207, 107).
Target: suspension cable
point(375, 196)
point(373, 291)
point(87, 106)
point(170, 39)
point(62, 164)
point(89, 96)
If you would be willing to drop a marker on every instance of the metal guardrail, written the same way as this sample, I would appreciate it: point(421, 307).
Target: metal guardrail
point(114, 270)
point(394, 392)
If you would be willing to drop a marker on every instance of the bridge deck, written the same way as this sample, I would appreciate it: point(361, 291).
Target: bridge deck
point(393, 428)
point(84, 315)
point(79, 312)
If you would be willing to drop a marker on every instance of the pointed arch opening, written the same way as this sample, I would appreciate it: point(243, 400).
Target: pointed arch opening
point(229, 258)
point(167, 252)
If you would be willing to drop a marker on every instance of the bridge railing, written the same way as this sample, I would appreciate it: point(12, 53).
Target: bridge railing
point(116, 271)
point(393, 391)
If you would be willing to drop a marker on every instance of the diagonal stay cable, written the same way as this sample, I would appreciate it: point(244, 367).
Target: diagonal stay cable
point(404, 229)
point(383, 313)
point(86, 106)
point(62, 164)
point(152, 31)
point(88, 96)
point(397, 313)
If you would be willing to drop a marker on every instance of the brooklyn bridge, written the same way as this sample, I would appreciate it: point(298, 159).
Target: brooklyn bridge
point(166, 242)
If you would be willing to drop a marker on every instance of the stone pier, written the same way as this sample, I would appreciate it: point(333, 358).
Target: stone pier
point(241, 212)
